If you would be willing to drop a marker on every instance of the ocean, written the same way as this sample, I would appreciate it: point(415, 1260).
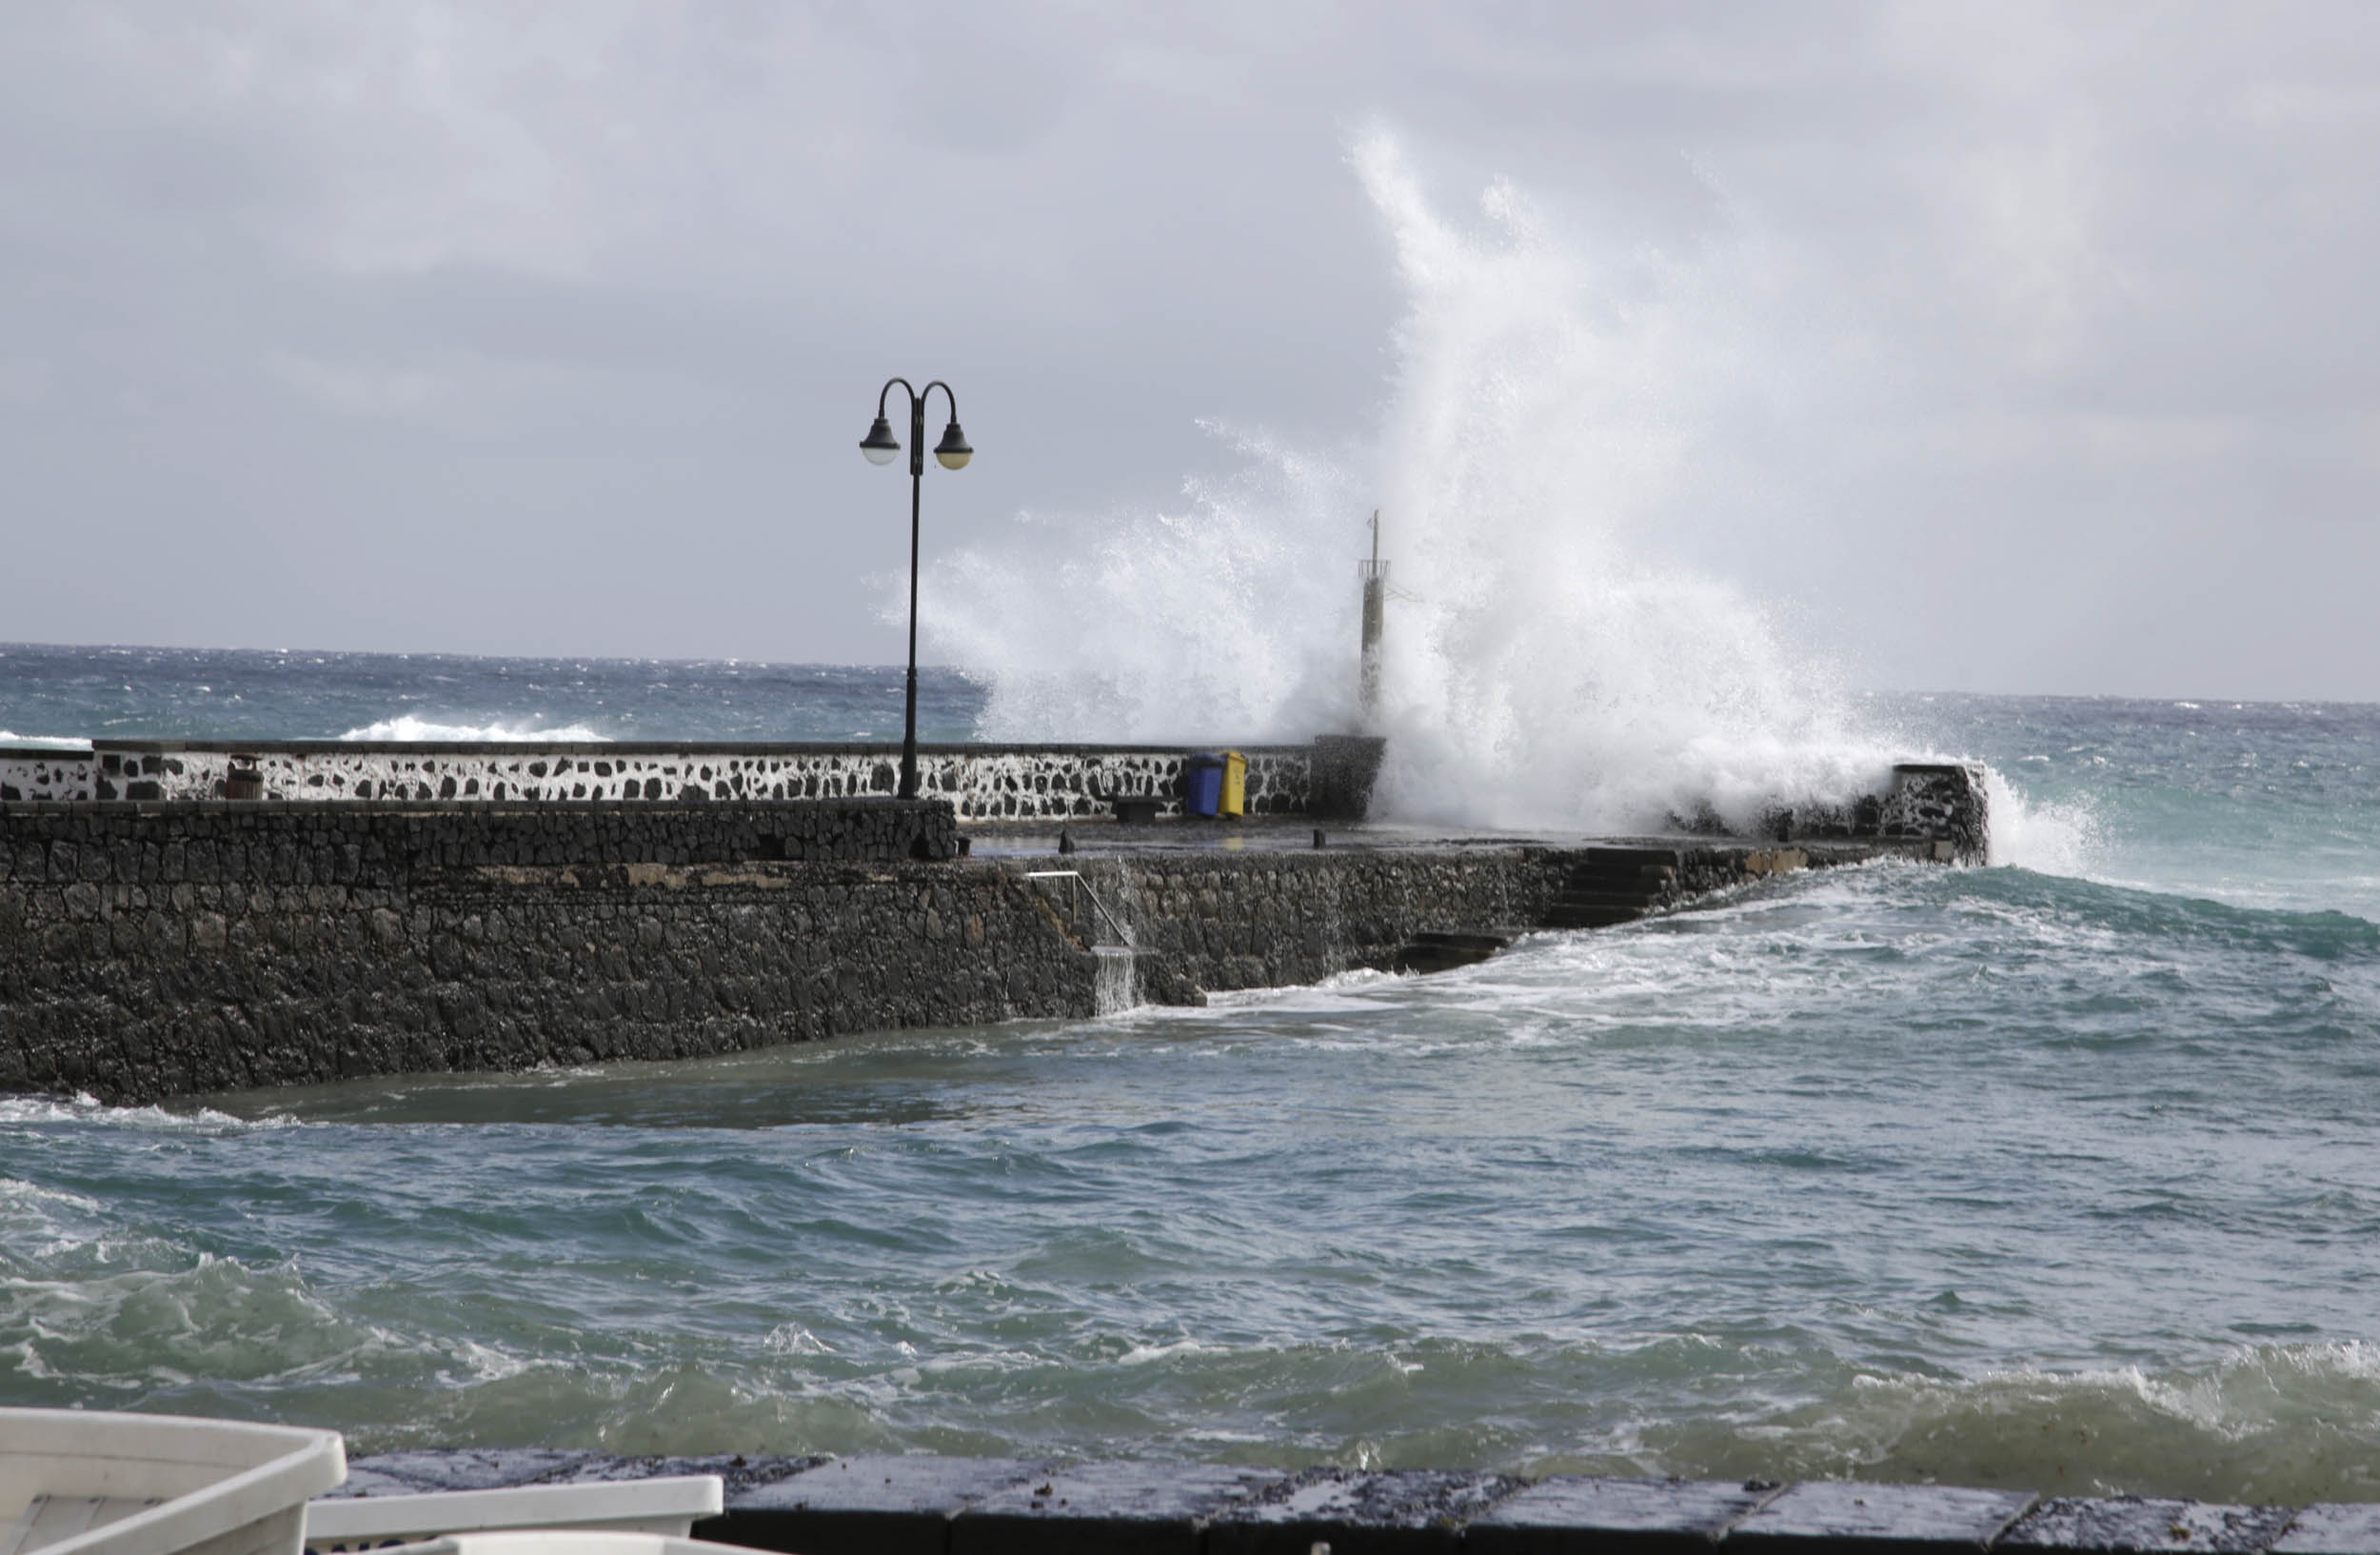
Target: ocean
point(2058, 1173)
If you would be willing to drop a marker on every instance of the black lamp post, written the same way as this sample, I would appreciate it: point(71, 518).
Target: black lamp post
point(953, 453)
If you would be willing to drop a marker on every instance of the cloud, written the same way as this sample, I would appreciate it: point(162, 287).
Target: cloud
point(1999, 288)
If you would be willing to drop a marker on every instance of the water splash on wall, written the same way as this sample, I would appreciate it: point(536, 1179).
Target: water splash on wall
point(1115, 981)
point(1543, 665)
point(1231, 617)
point(2055, 837)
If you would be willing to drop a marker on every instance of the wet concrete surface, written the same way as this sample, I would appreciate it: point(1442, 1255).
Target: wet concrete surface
point(1101, 836)
point(872, 1505)
point(413, 1473)
point(1360, 1512)
point(2351, 1528)
point(2143, 1523)
point(928, 1506)
point(1879, 1519)
point(1091, 1508)
point(1256, 833)
point(1616, 1517)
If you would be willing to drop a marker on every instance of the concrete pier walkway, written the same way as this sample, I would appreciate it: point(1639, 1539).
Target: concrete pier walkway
point(1102, 835)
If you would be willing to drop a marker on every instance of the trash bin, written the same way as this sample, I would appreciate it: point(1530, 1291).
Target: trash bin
point(1203, 786)
point(1235, 800)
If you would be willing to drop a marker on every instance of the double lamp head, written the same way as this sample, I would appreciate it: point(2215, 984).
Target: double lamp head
point(951, 452)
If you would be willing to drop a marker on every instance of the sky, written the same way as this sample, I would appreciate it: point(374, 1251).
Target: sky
point(2045, 337)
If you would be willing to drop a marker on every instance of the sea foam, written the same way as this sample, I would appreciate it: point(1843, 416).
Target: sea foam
point(2269, 1423)
point(408, 728)
point(82, 1107)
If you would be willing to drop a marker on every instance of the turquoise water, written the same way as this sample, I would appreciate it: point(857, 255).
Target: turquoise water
point(2060, 1173)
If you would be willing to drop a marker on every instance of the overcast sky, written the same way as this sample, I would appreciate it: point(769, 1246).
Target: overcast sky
point(551, 329)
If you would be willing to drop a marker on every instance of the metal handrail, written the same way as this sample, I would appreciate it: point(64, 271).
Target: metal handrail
point(1084, 886)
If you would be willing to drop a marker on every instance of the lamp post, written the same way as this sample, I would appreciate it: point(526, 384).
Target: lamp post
point(952, 453)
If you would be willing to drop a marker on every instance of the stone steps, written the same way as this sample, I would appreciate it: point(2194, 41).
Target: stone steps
point(1614, 886)
point(1559, 916)
point(1639, 899)
point(1439, 951)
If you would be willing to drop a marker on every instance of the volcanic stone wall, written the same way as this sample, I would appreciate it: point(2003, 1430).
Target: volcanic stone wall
point(1207, 923)
point(981, 782)
point(393, 845)
point(1204, 922)
point(152, 952)
point(148, 952)
point(1944, 802)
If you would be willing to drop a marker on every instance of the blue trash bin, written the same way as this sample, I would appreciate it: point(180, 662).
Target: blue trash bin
point(1203, 786)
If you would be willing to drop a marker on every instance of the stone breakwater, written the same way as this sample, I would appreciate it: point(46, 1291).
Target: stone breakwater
point(919, 1505)
point(1942, 800)
point(1329, 777)
point(153, 950)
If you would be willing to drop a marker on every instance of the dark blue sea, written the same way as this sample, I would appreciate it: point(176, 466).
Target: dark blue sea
point(2062, 1172)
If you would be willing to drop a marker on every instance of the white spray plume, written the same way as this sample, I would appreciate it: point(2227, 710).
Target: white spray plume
point(1540, 671)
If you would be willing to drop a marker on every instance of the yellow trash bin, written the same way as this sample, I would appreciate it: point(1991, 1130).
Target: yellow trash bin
point(1235, 801)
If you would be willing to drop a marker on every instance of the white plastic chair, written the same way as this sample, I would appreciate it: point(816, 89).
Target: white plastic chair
point(567, 1541)
point(89, 1482)
point(667, 1505)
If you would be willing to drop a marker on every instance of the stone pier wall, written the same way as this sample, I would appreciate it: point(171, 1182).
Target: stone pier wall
point(981, 782)
point(1209, 923)
point(1945, 801)
point(1331, 778)
point(148, 952)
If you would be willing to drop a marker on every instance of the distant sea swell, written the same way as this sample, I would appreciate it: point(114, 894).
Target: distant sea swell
point(50, 693)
